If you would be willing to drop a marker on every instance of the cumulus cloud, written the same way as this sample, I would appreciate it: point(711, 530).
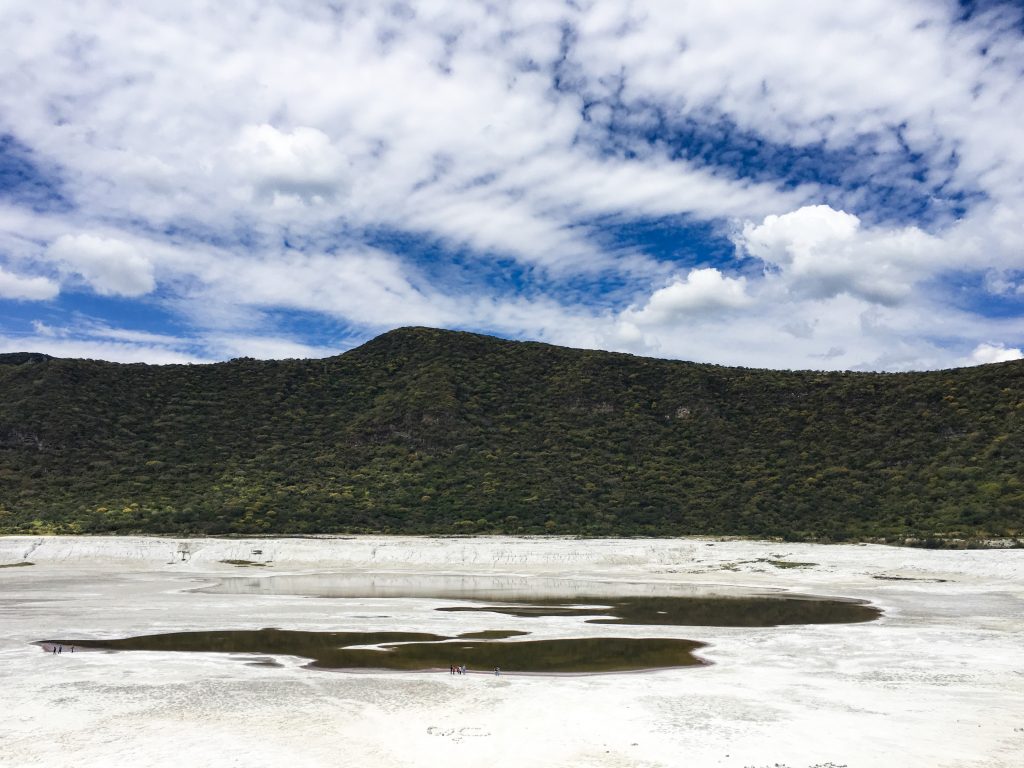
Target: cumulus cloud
point(13, 286)
point(110, 266)
point(992, 353)
point(822, 252)
point(701, 291)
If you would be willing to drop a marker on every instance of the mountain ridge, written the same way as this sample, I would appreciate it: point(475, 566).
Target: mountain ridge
point(427, 431)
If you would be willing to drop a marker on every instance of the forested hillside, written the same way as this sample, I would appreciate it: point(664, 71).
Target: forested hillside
point(427, 431)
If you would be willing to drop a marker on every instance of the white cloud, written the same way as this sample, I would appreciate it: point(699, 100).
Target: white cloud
point(822, 252)
point(800, 72)
point(97, 349)
point(42, 329)
point(242, 163)
point(992, 353)
point(367, 286)
point(89, 338)
point(14, 286)
point(701, 291)
point(265, 117)
point(300, 164)
point(112, 267)
point(104, 331)
point(263, 348)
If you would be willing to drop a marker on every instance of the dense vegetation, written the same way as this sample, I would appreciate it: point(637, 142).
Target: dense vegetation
point(425, 431)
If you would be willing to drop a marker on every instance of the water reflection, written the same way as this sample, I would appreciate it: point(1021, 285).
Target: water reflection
point(633, 603)
point(469, 587)
point(765, 611)
point(411, 651)
point(628, 603)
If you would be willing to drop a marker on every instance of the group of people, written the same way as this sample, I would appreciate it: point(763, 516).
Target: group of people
point(60, 649)
point(456, 669)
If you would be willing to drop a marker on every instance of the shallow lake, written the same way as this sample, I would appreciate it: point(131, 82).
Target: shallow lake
point(522, 601)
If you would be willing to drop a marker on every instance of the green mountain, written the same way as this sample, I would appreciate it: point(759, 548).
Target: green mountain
point(428, 431)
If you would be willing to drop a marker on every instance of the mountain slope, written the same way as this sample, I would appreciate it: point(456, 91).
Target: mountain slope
point(422, 431)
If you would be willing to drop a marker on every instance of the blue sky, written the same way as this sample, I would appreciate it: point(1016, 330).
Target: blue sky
point(772, 184)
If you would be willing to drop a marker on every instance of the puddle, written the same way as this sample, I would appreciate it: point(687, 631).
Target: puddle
point(420, 651)
point(593, 602)
point(616, 602)
point(764, 611)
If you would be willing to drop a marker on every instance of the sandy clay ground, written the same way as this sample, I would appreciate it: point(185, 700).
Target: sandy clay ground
point(937, 682)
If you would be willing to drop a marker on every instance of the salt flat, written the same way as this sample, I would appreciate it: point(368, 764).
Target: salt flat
point(937, 682)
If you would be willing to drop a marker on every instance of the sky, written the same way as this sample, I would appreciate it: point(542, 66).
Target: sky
point(803, 184)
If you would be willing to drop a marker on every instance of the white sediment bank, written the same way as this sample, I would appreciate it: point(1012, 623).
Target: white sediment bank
point(938, 682)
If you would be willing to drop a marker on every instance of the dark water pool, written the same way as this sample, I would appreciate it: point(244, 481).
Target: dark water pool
point(769, 611)
point(636, 603)
point(520, 600)
point(420, 651)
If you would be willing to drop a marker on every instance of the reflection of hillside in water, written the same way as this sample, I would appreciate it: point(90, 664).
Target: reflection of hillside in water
point(636, 603)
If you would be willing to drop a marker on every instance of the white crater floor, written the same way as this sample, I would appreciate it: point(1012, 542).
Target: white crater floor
point(937, 682)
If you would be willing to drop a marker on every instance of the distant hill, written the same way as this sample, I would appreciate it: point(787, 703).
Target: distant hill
point(428, 431)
